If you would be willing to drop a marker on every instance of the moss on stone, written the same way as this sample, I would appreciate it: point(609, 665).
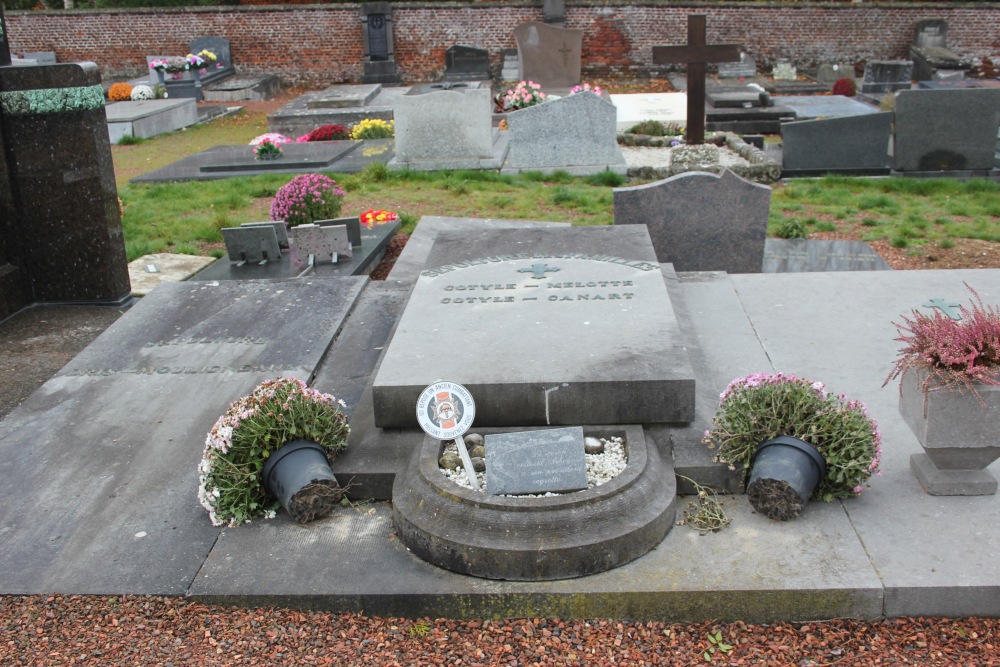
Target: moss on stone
point(52, 100)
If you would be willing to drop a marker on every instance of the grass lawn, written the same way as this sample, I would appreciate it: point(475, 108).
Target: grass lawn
point(911, 217)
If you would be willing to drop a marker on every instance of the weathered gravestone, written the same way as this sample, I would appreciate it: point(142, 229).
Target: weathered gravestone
point(886, 76)
point(854, 144)
point(251, 244)
point(784, 72)
point(542, 329)
point(932, 59)
point(223, 66)
point(946, 130)
point(577, 133)
point(536, 462)
point(379, 48)
point(699, 221)
point(832, 72)
point(743, 68)
point(696, 54)
point(280, 231)
point(59, 216)
point(445, 129)
point(466, 63)
point(324, 244)
point(149, 118)
point(548, 55)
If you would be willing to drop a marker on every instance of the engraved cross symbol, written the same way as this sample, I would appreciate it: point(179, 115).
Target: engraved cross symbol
point(538, 270)
point(945, 306)
point(565, 50)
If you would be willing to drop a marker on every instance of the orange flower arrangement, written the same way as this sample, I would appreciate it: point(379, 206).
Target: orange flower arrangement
point(120, 92)
point(371, 217)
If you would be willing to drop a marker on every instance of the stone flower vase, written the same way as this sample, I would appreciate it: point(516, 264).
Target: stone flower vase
point(959, 436)
point(299, 475)
point(783, 475)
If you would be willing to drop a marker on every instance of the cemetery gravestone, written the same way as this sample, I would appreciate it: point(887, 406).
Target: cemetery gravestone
point(379, 50)
point(251, 244)
point(548, 55)
point(353, 225)
point(280, 231)
point(784, 72)
point(801, 255)
point(831, 73)
point(536, 462)
point(745, 67)
point(577, 133)
point(466, 63)
point(696, 54)
point(59, 215)
point(699, 221)
point(325, 244)
point(886, 76)
point(946, 130)
point(932, 59)
point(554, 12)
point(445, 129)
point(854, 144)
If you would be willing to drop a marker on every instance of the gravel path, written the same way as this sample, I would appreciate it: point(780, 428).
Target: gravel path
point(130, 630)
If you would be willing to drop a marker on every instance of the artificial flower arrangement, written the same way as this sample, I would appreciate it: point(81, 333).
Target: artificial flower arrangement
point(373, 128)
point(585, 88)
point(178, 64)
point(120, 92)
point(142, 92)
point(524, 94)
point(371, 217)
point(307, 198)
point(326, 133)
point(273, 137)
point(759, 407)
point(956, 354)
point(238, 446)
point(266, 150)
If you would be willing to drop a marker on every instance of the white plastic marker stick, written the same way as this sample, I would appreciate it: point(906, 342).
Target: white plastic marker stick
point(445, 410)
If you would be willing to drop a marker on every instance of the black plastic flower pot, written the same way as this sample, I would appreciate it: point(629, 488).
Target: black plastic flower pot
point(299, 476)
point(784, 473)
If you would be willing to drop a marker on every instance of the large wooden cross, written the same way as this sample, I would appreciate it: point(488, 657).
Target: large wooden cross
point(696, 54)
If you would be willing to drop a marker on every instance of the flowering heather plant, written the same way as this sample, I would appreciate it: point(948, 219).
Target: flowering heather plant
point(373, 128)
point(957, 353)
point(273, 137)
point(142, 92)
point(523, 95)
point(763, 406)
point(371, 217)
point(266, 148)
point(120, 92)
point(585, 88)
point(329, 133)
point(278, 411)
point(307, 198)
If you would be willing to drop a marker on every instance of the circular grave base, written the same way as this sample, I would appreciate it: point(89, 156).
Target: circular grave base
point(536, 539)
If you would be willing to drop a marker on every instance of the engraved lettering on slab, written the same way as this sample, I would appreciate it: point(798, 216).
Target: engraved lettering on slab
point(536, 461)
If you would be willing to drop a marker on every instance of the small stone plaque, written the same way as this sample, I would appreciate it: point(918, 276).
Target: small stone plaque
point(279, 230)
point(353, 227)
point(251, 244)
point(327, 244)
point(536, 462)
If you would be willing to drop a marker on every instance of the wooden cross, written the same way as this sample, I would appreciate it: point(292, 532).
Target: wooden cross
point(696, 54)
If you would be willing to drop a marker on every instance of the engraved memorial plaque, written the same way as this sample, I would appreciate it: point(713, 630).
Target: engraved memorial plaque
point(536, 462)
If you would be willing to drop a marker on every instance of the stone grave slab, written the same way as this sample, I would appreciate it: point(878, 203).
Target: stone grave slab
point(958, 85)
point(445, 129)
point(803, 255)
point(466, 63)
point(343, 96)
point(756, 120)
point(148, 271)
point(548, 55)
point(251, 244)
point(824, 106)
point(738, 98)
point(535, 461)
point(550, 331)
point(664, 107)
point(886, 76)
point(243, 88)
point(784, 72)
point(946, 130)
point(700, 221)
point(149, 118)
point(855, 144)
point(337, 105)
point(577, 133)
point(745, 67)
point(324, 243)
point(224, 328)
point(830, 73)
point(306, 156)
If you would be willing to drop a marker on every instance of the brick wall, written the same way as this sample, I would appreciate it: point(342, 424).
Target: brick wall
point(321, 44)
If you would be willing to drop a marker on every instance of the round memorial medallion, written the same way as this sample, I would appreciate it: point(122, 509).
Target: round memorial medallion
point(445, 410)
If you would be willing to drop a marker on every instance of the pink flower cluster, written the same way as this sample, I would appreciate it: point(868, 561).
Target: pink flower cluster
point(585, 88)
point(524, 94)
point(307, 198)
point(761, 379)
point(271, 137)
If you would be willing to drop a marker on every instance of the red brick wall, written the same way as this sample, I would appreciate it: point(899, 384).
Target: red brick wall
point(321, 44)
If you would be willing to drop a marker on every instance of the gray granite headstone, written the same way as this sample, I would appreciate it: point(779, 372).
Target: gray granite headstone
point(444, 129)
point(833, 72)
point(804, 255)
point(326, 244)
point(353, 225)
point(745, 67)
point(824, 106)
point(544, 326)
point(548, 55)
point(343, 96)
point(700, 221)
point(946, 130)
point(536, 462)
point(251, 244)
point(217, 45)
point(577, 133)
point(850, 143)
point(886, 76)
point(279, 230)
point(466, 63)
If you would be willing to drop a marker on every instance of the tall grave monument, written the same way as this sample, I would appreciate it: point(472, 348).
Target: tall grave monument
point(548, 55)
point(697, 54)
point(59, 216)
point(380, 52)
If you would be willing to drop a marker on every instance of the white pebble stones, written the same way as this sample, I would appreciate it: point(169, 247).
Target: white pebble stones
point(605, 459)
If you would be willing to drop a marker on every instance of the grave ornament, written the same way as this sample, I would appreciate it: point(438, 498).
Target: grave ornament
point(445, 411)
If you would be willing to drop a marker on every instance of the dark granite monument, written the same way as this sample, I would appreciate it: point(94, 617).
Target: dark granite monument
point(466, 63)
point(379, 49)
point(932, 59)
point(851, 144)
point(887, 76)
point(59, 216)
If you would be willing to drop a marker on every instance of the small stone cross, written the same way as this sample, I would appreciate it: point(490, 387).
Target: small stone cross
point(945, 306)
point(565, 50)
point(696, 54)
point(538, 270)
